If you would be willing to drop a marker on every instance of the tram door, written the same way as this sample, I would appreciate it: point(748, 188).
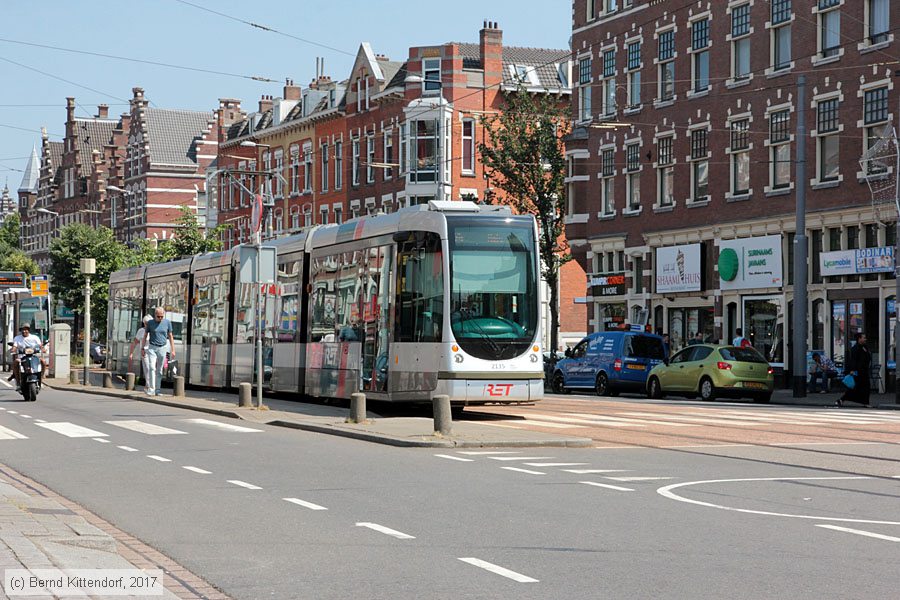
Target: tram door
point(375, 285)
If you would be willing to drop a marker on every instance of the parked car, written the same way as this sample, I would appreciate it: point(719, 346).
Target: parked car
point(609, 362)
point(98, 352)
point(550, 360)
point(712, 371)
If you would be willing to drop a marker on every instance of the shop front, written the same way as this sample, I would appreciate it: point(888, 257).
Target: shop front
point(607, 292)
point(683, 309)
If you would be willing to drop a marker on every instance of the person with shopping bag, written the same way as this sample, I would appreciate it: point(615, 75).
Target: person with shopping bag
point(858, 366)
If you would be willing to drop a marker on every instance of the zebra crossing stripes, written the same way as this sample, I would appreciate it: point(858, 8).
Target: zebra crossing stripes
point(147, 428)
point(9, 434)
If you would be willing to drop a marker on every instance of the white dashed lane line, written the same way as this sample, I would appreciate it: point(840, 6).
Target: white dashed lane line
point(244, 484)
point(498, 570)
point(25, 416)
point(101, 440)
point(304, 504)
point(607, 486)
point(626, 479)
point(877, 536)
point(508, 458)
point(198, 470)
point(593, 471)
point(13, 412)
point(486, 452)
point(145, 428)
point(459, 458)
point(39, 421)
point(527, 471)
point(546, 464)
point(127, 448)
point(159, 458)
point(387, 531)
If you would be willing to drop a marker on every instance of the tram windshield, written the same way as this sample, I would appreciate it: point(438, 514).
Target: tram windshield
point(493, 293)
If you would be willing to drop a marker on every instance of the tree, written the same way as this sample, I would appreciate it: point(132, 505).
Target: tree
point(9, 231)
point(189, 238)
point(16, 260)
point(524, 156)
point(77, 241)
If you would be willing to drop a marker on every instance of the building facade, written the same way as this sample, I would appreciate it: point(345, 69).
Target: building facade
point(683, 175)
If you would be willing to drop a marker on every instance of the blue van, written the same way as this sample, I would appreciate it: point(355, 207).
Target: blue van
point(609, 362)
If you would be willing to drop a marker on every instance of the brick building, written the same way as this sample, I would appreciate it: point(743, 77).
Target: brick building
point(682, 174)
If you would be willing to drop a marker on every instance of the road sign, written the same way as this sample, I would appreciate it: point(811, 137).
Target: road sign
point(40, 285)
point(40, 320)
point(267, 263)
point(12, 279)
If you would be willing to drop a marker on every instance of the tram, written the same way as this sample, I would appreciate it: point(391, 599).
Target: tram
point(439, 298)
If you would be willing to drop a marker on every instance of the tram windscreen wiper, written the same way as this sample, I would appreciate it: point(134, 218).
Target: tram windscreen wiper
point(495, 348)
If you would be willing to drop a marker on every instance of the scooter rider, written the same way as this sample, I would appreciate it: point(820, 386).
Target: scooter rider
point(22, 341)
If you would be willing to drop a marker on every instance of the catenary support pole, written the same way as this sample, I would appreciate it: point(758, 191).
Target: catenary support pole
point(800, 324)
point(87, 330)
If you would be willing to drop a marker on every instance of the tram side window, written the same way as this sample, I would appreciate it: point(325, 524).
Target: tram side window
point(420, 290)
point(126, 313)
point(172, 296)
point(323, 299)
point(210, 309)
point(289, 302)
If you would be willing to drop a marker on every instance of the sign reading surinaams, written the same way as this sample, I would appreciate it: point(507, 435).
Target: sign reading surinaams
point(857, 262)
point(750, 263)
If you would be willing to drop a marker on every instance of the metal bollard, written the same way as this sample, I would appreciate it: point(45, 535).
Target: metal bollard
point(73, 377)
point(107, 379)
point(244, 395)
point(358, 408)
point(129, 382)
point(443, 417)
point(178, 388)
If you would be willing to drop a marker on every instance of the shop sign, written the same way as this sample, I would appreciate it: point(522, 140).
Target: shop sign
point(679, 269)
point(608, 285)
point(750, 263)
point(857, 262)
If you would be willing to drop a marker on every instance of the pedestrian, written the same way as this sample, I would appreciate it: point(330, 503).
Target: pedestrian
point(858, 365)
point(138, 342)
point(159, 333)
point(667, 346)
point(739, 340)
point(817, 372)
point(697, 339)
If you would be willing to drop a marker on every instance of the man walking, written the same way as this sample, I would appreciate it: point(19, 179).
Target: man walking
point(739, 340)
point(159, 334)
point(859, 365)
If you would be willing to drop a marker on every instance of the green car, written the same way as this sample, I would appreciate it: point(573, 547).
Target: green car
point(713, 371)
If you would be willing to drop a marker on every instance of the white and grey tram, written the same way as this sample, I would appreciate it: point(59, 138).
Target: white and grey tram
point(433, 299)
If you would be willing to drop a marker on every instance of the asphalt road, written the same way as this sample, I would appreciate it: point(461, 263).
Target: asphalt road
point(818, 520)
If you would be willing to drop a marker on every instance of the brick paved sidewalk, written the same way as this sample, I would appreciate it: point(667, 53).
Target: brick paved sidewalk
point(41, 530)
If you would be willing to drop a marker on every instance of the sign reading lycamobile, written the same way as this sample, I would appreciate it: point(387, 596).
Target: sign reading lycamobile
point(856, 262)
point(679, 269)
point(750, 263)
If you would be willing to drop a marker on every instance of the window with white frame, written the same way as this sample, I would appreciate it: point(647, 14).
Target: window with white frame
point(307, 167)
point(295, 217)
point(323, 150)
point(633, 74)
point(338, 215)
point(875, 120)
point(307, 217)
point(584, 89)
point(251, 184)
point(666, 61)
point(279, 220)
point(740, 42)
point(590, 10)
point(354, 161)
point(665, 167)
point(468, 146)
point(607, 181)
point(878, 21)
point(740, 157)
point(295, 169)
point(699, 165)
point(423, 151)
point(279, 173)
point(610, 6)
point(827, 140)
point(387, 207)
point(632, 176)
point(700, 51)
point(829, 21)
point(370, 158)
point(404, 167)
point(781, 34)
point(431, 76)
point(388, 172)
point(323, 212)
point(608, 83)
point(354, 210)
point(780, 149)
point(338, 165)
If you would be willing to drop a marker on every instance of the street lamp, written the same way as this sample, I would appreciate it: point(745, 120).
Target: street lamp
point(88, 268)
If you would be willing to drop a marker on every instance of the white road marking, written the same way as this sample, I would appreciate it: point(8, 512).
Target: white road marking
point(12, 412)
point(225, 426)
point(498, 570)
point(146, 428)
point(127, 448)
point(825, 443)
point(626, 479)
point(3, 409)
point(9, 434)
point(507, 458)
point(25, 416)
point(304, 503)
point(546, 464)
point(591, 471)
point(667, 492)
point(101, 440)
point(244, 484)
point(486, 452)
point(39, 421)
point(71, 430)
point(607, 486)
point(6, 383)
point(712, 446)
point(159, 458)
point(198, 470)
point(387, 531)
point(877, 536)
point(459, 458)
point(594, 421)
point(534, 422)
point(701, 420)
point(523, 471)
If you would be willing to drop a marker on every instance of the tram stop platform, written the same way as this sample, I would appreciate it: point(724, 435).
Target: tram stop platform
point(406, 431)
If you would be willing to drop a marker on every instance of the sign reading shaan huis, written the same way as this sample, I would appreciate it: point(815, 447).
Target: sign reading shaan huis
point(679, 269)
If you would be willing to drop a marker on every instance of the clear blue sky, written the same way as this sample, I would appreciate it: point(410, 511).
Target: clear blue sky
point(172, 32)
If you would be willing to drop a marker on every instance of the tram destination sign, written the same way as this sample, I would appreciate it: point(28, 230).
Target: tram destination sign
point(12, 279)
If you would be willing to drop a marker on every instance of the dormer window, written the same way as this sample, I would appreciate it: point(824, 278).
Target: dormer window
point(431, 75)
point(524, 74)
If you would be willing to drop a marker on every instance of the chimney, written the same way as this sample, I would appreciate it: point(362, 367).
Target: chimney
point(491, 49)
point(102, 111)
point(228, 113)
point(265, 103)
point(70, 109)
point(291, 91)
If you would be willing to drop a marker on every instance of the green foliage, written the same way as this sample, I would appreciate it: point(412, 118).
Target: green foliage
point(16, 260)
point(524, 156)
point(9, 231)
point(190, 238)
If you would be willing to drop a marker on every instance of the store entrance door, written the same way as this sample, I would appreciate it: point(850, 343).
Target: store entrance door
point(849, 317)
point(684, 323)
